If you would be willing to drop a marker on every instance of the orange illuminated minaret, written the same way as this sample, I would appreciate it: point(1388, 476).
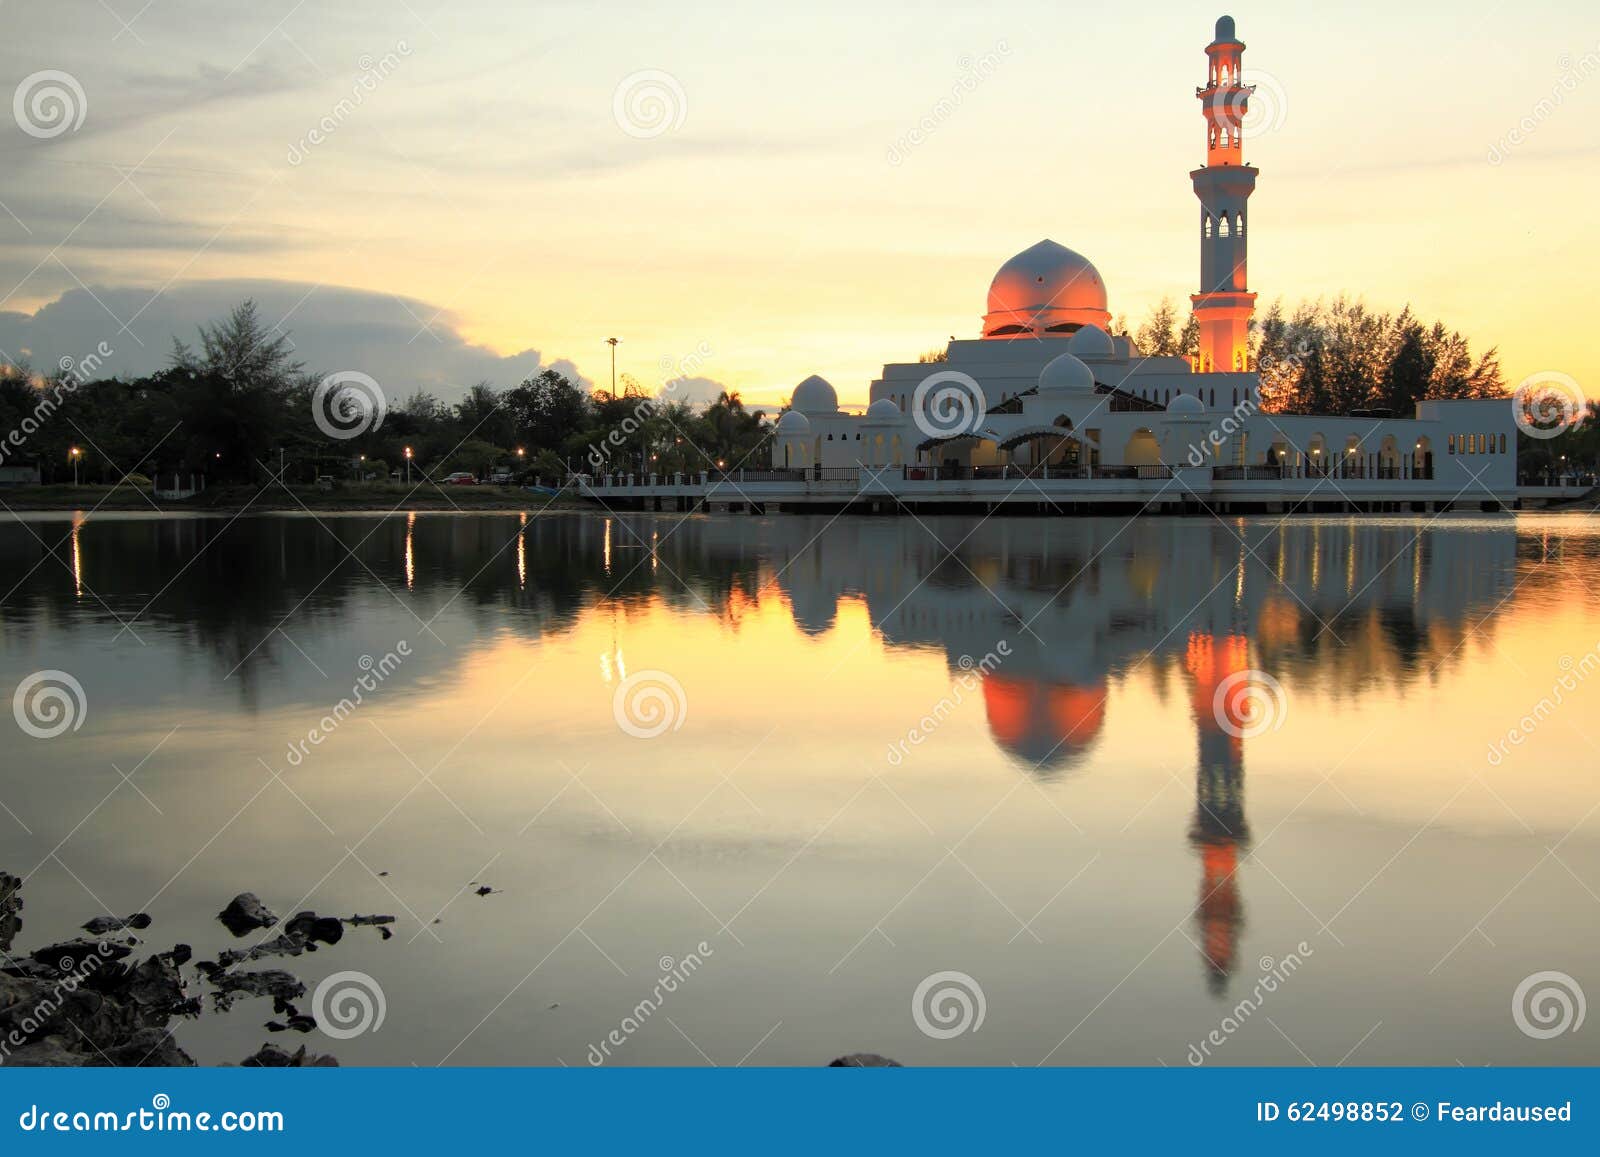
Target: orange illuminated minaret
point(1224, 304)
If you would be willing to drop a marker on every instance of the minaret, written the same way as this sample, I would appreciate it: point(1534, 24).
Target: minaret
point(1224, 304)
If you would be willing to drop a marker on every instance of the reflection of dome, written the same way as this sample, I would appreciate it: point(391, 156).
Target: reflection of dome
point(1066, 373)
point(793, 422)
point(1045, 289)
point(1047, 726)
point(815, 396)
point(1092, 344)
point(883, 410)
point(1186, 404)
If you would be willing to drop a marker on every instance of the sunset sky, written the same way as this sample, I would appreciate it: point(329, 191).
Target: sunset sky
point(483, 209)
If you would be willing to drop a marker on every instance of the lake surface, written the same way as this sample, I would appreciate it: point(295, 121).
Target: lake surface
point(1120, 776)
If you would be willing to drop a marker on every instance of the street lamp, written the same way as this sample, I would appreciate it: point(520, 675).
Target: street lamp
point(612, 342)
point(74, 454)
point(408, 465)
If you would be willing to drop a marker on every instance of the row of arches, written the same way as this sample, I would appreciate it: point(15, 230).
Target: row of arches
point(1222, 224)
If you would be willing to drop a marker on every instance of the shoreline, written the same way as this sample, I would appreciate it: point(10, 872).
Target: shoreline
point(245, 500)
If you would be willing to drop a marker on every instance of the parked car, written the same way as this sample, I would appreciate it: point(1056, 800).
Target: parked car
point(501, 478)
point(461, 478)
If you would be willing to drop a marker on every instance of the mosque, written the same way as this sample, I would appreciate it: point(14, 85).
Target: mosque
point(1045, 395)
point(1047, 411)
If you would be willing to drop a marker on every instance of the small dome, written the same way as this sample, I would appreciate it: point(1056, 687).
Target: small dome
point(1186, 404)
point(793, 422)
point(1225, 31)
point(815, 396)
point(1066, 373)
point(883, 410)
point(1092, 344)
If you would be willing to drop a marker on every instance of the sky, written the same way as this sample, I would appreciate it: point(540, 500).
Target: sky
point(437, 193)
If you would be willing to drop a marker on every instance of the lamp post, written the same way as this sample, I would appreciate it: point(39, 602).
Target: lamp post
point(408, 465)
point(74, 454)
point(612, 342)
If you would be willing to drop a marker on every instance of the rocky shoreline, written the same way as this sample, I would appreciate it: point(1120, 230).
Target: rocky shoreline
point(92, 1001)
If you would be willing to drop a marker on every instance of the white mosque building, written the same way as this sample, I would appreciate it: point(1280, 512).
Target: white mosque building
point(1047, 408)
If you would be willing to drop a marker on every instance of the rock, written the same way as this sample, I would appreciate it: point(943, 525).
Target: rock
point(10, 910)
point(232, 986)
point(157, 983)
point(69, 956)
point(358, 921)
point(148, 1048)
point(864, 1061)
point(100, 925)
point(270, 1056)
point(245, 913)
point(49, 1052)
point(311, 928)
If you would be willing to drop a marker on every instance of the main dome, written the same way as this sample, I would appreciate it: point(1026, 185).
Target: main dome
point(1045, 289)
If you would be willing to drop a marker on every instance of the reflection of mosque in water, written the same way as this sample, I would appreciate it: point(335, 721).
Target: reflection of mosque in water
point(1227, 610)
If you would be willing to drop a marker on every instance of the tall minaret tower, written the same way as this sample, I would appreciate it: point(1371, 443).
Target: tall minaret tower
point(1224, 304)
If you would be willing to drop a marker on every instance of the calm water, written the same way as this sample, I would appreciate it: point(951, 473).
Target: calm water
point(838, 807)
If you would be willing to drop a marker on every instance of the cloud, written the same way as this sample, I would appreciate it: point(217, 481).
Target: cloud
point(404, 343)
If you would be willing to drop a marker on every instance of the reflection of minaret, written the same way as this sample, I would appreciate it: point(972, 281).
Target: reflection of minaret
point(1219, 831)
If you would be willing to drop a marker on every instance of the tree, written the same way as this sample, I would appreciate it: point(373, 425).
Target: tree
point(242, 352)
point(545, 409)
point(1158, 336)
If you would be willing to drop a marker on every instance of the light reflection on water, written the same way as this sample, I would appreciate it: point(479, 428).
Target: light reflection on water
point(1076, 826)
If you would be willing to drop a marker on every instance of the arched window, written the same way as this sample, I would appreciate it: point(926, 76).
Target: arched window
point(1502, 443)
point(1208, 224)
point(1222, 226)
